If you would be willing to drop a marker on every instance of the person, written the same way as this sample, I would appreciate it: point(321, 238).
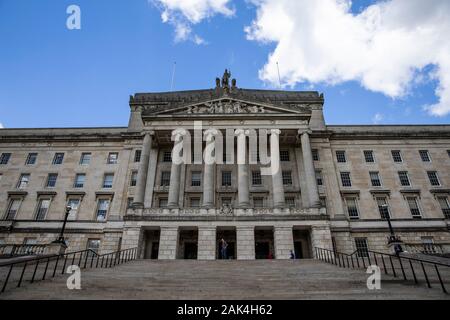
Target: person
point(270, 257)
point(292, 254)
point(223, 248)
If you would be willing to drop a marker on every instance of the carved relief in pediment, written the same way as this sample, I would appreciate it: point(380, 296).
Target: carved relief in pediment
point(225, 107)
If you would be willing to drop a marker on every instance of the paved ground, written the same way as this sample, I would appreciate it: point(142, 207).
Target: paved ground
point(184, 279)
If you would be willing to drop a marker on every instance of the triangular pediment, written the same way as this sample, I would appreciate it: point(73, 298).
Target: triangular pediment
point(229, 106)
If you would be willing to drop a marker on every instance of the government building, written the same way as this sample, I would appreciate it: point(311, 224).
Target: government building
point(282, 180)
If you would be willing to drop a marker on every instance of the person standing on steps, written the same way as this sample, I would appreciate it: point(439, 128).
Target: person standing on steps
point(292, 255)
point(223, 248)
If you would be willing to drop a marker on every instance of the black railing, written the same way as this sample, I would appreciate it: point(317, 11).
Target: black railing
point(410, 269)
point(15, 274)
point(15, 250)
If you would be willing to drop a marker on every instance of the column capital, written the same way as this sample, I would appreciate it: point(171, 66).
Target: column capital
point(239, 132)
point(275, 131)
point(304, 131)
point(209, 133)
point(149, 132)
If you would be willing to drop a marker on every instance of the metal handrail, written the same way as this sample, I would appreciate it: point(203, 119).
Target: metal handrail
point(337, 258)
point(82, 258)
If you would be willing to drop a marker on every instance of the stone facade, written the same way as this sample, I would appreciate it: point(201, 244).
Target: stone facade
point(184, 206)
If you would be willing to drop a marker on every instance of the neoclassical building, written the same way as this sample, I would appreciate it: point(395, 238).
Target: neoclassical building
point(280, 179)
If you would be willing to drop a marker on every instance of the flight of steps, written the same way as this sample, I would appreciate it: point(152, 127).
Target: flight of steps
point(189, 279)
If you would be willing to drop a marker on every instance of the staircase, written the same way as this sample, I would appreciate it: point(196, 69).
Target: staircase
point(203, 280)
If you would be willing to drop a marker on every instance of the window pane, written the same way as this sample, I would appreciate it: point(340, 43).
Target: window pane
point(43, 209)
point(31, 159)
point(258, 202)
point(287, 178)
point(425, 156)
point(167, 157)
point(137, 156)
point(284, 155)
point(79, 180)
point(226, 178)
point(413, 207)
point(51, 180)
point(162, 202)
point(113, 158)
point(368, 155)
point(315, 154)
point(445, 206)
point(195, 202)
point(375, 179)
point(165, 178)
point(345, 179)
point(196, 178)
point(4, 158)
point(59, 158)
point(85, 158)
point(133, 179)
point(404, 179)
point(434, 179)
point(383, 208)
point(102, 210)
point(362, 247)
point(94, 245)
point(256, 178)
point(74, 204)
point(352, 208)
point(23, 181)
point(396, 156)
point(319, 178)
point(108, 181)
point(340, 156)
point(290, 202)
point(13, 208)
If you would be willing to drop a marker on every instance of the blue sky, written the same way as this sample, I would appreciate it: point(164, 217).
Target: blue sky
point(54, 77)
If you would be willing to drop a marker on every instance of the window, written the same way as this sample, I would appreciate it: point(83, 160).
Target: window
point(196, 178)
point(434, 179)
point(284, 155)
point(130, 202)
point(445, 206)
point(30, 241)
point(258, 202)
point(4, 158)
point(352, 208)
point(42, 209)
point(319, 178)
point(85, 158)
point(165, 178)
point(23, 181)
point(74, 203)
point(102, 209)
point(397, 156)
point(287, 178)
point(375, 179)
point(340, 156)
point(113, 158)
point(424, 155)
point(256, 178)
point(290, 202)
point(58, 158)
point(93, 244)
point(133, 178)
point(345, 179)
point(315, 154)
point(414, 207)
point(167, 156)
point(13, 208)
point(194, 202)
point(163, 202)
point(383, 207)
point(404, 179)
point(108, 181)
point(428, 245)
point(31, 159)
point(79, 180)
point(368, 156)
point(226, 178)
point(323, 202)
point(137, 156)
point(51, 180)
point(362, 247)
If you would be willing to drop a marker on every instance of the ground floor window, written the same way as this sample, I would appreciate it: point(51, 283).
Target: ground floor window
point(362, 247)
point(94, 245)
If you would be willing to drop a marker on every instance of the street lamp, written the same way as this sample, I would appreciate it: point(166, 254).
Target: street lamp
point(61, 235)
point(393, 239)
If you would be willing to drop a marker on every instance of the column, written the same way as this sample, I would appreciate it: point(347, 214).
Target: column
point(310, 173)
point(284, 242)
point(245, 238)
point(243, 187)
point(206, 243)
point(321, 238)
point(151, 177)
point(209, 169)
point(143, 171)
point(175, 171)
point(168, 243)
point(277, 178)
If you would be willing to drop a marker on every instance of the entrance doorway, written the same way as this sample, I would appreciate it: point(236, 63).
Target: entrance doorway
point(229, 235)
point(188, 244)
point(264, 248)
point(302, 242)
point(151, 244)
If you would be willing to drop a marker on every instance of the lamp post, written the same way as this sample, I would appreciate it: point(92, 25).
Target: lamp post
point(61, 235)
point(393, 239)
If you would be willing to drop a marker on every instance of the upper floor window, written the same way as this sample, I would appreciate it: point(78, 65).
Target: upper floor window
point(434, 179)
point(404, 179)
point(196, 178)
point(102, 209)
point(226, 201)
point(133, 178)
point(113, 157)
point(425, 155)
point(4, 158)
point(290, 202)
point(58, 158)
point(85, 158)
point(397, 156)
point(375, 179)
point(345, 179)
point(340, 156)
point(287, 178)
point(24, 179)
point(79, 180)
point(256, 178)
point(137, 156)
point(74, 204)
point(51, 180)
point(323, 202)
point(258, 202)
point(163, 202)
point(31, 159)
point(315, 155)
point(226, 178)
point(383, 207)
point(165, 178)
point(42, 209)
point(445, 206)
point(194, 202)
point(362, 247)
point(413, 204)
point(368, 156)
point(108, 181)
point(13, 208)
point(130, 201)
point(167, 156)
point(352, 208)
point(284, 155)
point(319, 178)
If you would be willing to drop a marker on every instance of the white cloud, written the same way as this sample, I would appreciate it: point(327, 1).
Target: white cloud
point(377, 118)
point(183, 14)
point(1, 126)
point(385, 47)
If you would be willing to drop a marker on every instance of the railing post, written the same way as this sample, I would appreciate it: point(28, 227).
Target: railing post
point(34, 272)
point(401, 266)
point(79, 262)
point(384, 265)
point(86, 259)
point(7, 278)
point(46, 267)
point(65, 263)
point(440, 279)
point(21, 275)
point(412, 269)
point(425, 274)
point(392, 266)
point(56, 266)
